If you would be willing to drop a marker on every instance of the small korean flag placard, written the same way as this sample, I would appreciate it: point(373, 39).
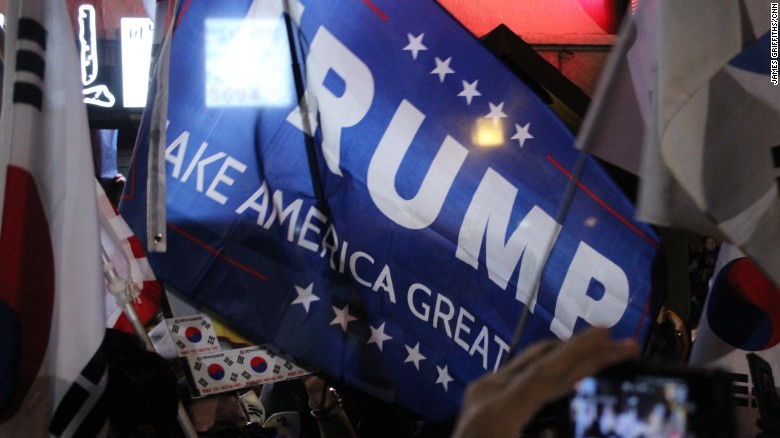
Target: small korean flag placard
point(288, 368)
point(214, 373)
point(258, 366)
point(193, 335)
point(230, 370)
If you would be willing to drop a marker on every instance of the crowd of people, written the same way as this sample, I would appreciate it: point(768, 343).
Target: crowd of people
point(144, 393)
point(514, 401)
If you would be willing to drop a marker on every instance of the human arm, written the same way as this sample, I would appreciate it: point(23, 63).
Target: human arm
point(501, 404)
point(327, 405)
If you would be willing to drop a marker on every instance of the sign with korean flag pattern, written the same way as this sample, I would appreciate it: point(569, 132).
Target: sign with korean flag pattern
point(231, 370)
point(193, 335)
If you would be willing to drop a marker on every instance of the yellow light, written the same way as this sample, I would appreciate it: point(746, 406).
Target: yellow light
point(488, 133)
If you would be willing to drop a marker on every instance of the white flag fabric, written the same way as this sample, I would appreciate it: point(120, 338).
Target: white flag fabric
point(51, 285)
point(614, 127)
point(621, 118)
point(127, 255)
point(700, 82)
point(742, 315)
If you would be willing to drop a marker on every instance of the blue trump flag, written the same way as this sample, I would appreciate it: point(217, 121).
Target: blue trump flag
point(389, 219)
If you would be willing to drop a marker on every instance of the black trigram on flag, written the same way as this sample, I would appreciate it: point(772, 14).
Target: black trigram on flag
point(198, 366)
point(175, 328)
point(744, 394)
point(203, 382)
point(233, 377)
point(240, 359)
point(228, 361)
point(270, 354)
point(180, 344)
point(246, 375)
point(277, 368)
point(254, 411)
point(211, 340)
point(288, 365)
point(205, 324)
point(30, 59)
point(82, 411)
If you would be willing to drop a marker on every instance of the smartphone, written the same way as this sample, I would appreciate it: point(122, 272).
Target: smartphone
point(635, 400)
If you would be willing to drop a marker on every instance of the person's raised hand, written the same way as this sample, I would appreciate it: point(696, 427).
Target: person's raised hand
point(500, 404)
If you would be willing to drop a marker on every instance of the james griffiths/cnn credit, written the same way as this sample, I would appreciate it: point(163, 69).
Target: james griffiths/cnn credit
point(773, 51)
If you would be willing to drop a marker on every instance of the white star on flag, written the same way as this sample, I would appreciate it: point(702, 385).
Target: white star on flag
point(444, 376)
point(415, 44)
point(342, 317)
point(522, 133)
point(496, 111)
point(305, 296)
point(414, 355)
point(442, 68)
point(378, 336)
point(470, 91)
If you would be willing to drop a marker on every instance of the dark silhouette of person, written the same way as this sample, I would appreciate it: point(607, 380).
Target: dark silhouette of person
point(141, 392)
point(700, 270)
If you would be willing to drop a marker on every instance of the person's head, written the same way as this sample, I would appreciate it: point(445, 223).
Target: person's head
point(710, 243)
point(141, 391)
point(217, 413)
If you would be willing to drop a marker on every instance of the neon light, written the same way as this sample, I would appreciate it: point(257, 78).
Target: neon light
point(98, 94)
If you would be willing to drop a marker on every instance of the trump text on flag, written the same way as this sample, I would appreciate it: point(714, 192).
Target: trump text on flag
point(402, 213)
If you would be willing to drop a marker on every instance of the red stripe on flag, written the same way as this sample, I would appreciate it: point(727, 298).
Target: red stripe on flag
point(181, 14)
point(376, 10)
point(604, 204)
point(129, 250)
point(136, 247)
point(212, 250)
point(135, 244)
point(146, 309)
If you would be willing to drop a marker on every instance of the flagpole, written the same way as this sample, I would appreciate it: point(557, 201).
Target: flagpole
point(119, 288)
point(308, 135)
point(563, 208)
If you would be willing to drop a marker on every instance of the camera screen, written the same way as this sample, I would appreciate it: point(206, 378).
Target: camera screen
point(643, 405)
